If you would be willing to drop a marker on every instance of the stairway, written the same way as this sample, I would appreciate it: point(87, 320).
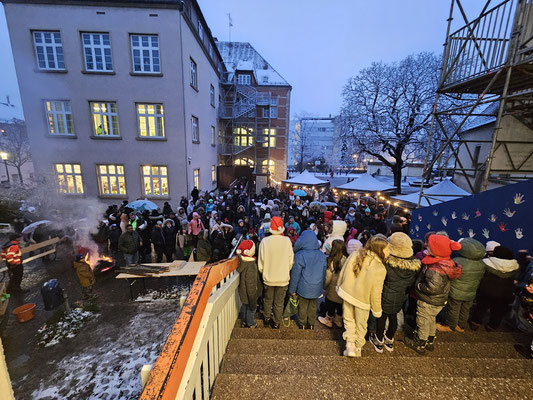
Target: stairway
point(293, 364)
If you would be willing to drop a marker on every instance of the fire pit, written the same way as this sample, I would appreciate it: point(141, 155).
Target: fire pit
point(104, 264)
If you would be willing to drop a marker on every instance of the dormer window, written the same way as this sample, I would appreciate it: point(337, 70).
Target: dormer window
point(244, 79)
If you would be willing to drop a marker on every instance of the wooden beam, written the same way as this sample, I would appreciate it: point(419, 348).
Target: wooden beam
point(37, 246)
point(27, 260)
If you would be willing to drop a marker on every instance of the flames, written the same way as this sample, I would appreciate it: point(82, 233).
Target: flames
point(94, 258)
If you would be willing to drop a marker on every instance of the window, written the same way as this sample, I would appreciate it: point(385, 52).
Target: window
point(273, 112)
point(200, 31)
point(196, 177)
point(150, 117)
point(265, 79)
point(213, 136)
point(59, 117)
point(268, 165)
point(245, 161)
point(243, 137)
point(195, 129)
point(244, 79)
point(105, 119)
point(194, 74)
point(145, 54)
point(69, 178)
point(155, 180)
point(212, 95)
point(210, 50)
point(49, 50)
point(111, 180)
point(97, 51)
point(322, 129)
point(213, 173)
point(269, 137)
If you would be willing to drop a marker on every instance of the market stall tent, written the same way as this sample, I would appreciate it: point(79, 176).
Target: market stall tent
point(366, 183)
point(306, 178)
point(440, 193)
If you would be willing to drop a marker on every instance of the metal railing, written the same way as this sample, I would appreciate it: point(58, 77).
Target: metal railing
point(191, 357)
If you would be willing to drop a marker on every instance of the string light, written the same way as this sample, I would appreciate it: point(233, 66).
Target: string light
point(405, 210)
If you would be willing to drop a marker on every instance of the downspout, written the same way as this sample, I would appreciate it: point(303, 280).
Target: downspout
point(184, 116)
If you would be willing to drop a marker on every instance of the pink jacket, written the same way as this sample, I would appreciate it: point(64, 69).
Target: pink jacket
point(196, 225)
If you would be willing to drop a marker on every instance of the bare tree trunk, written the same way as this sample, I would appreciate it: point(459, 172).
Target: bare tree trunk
point(397, 171)
point(20, 174)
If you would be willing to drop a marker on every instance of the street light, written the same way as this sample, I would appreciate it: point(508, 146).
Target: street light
point(3, 156)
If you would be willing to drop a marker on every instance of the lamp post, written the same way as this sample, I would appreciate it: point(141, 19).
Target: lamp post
point(4, 155)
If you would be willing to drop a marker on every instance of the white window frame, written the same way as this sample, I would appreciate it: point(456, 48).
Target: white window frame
point(195, 129)
point(270, 112)
point(108, 118)
point(59, 117)
point(99, 52)
point(52, 51)
point(147, 51)
point(213, 136)
point(157, 117)
point(111, 174)
point(161, 175)
point(70, 174)
point(200, 31)
point(213, 173)
point(194, 73)
point(212, 95)
point(196, 177)
point(244, 79)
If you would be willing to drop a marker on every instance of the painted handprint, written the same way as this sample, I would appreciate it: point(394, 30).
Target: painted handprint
point(502, 226)
point(454, 215)
point(519, 198)
point(471, 233)
point(417, 228)
point(485, 232)
point(411, 231)
point(428, 226)
point(508, 212)
point(420, 218)
point(435, 213)
point(466, 217)
point(492, 218)
point(519, 233)
point(444, 221)
point(460, 231)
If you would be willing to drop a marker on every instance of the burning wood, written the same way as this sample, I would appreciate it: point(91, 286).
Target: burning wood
point(99, 262)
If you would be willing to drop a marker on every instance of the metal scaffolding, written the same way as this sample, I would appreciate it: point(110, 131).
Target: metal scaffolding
point(487, 70)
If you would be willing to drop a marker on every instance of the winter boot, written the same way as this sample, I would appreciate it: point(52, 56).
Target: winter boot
point(338, 321)
point(378, 344)
point(415, 343)
point(443, 328)
point(351, 350)
point(326, 321)
point(388, 343)
point(430, 343)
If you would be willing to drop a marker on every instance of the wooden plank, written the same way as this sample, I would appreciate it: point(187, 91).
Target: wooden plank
point(27, 260)
point(37, 246)
point(189, 269)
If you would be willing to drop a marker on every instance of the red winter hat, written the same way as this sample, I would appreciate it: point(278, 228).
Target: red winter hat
point(441, 246)
point(246, 248)
point(276, 226)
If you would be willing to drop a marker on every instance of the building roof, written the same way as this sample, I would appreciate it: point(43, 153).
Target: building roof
point(366, 183)
point(126, 3)
point(440, 193)
point(241, 56)
point(481, 120)
point(306, 178)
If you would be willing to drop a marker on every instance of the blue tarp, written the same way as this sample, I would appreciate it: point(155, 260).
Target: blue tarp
point(504, 215)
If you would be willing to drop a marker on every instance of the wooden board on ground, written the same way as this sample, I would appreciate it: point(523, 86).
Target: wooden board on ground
point(176, 268)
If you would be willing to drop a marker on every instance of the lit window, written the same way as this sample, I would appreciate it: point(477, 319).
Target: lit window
point(145, 54)
point(244, 161)
point(155, 180)
point(212, 95)
point(105, 119)
point(194, 74)
point(97, 51)
point(150, 119)
point(244, 79)
point(213, 136)
point(69, 178)
point(195, 129)
point(269, 137)
point(49, 50)
point(213, 173)
point(243, 137)
point(111, 180)
point(196, 177)
point(200, 31)
point(268, 165)
point(59, 116)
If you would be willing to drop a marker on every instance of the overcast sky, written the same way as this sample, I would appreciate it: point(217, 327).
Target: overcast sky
point(315, 45)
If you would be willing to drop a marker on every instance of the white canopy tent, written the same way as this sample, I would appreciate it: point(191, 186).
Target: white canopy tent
point(440, 193)
point(306, 178)
point(366, 183)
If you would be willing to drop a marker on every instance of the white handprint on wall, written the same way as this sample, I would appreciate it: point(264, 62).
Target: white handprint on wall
point(519, 233)
point(507, 212)
point(444, 221)
point(454, 215)
point(485, 233)
point(471, 233)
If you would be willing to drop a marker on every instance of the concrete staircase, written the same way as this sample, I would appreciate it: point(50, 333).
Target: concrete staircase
point(293, 364)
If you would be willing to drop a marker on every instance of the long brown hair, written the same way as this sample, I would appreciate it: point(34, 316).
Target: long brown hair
point(338, 251)
point(376, 244)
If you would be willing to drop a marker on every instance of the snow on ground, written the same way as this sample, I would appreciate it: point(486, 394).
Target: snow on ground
point(174, 292)
point(67, 327)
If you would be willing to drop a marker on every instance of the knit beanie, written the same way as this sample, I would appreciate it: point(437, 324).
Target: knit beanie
point(441, 246)
point(353, 245)
point(246, 248)
point(276, 226)
point(503, 252)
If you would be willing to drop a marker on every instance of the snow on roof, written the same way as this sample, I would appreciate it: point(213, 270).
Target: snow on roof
point(366, 183)
point(439, 193)
point(241, 56)
point(305, 178)
point(481, 120)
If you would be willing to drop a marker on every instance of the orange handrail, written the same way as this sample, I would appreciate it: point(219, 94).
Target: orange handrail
point(167, 373)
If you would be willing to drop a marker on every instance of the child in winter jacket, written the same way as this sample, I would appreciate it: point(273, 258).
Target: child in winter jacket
point(360, 284)
point(333, 304)
point(432, 289)
point(307, 277)
point(249, 284)
point(402, 269)
point(463, 289)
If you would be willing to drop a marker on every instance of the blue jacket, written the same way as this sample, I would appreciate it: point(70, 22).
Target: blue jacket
point(309, 270)
point(295, 225)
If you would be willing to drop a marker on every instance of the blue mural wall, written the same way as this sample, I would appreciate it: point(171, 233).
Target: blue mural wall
point(504, 215)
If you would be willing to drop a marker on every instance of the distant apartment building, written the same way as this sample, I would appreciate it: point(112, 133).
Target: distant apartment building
point(254, 114)
point(120, 98)
point(314, 142)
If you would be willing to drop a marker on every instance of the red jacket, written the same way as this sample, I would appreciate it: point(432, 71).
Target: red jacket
point(11, 253)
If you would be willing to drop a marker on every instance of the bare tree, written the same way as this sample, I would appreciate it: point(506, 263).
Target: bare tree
point(387, 107)
point(303, 146)
point(14, 141)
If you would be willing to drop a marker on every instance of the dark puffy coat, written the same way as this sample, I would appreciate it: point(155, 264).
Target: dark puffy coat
point(204, 251)
point(169, 234)
point(250, 284)
point(498, 281)
point(433, 284)
point(129, 242)
point(157, 237)
point(401, 274)
point(465, 287)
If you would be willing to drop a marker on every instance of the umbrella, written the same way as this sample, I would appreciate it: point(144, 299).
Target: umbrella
point(329, 204)
point(142, 205)
point(31, 227)
point(299, 192)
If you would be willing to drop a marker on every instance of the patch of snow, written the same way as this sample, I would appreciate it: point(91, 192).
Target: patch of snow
point(173, 293)
point(66, 327)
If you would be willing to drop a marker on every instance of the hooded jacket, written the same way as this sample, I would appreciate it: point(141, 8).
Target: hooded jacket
point(337, 233)
point(401, 275)
point(330, 284)
point(433, 284)
point(250, 287)
point(309, 270)
point(275, 259)
point(470, 257)
point(498, 281)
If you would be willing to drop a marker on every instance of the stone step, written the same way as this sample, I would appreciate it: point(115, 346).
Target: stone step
point(304, 347)
point(340, 387)
point(328, 366)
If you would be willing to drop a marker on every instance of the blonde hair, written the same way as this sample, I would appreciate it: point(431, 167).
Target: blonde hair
point(376, 245)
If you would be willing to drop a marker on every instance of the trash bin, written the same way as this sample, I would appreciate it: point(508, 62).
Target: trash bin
point(52, 294)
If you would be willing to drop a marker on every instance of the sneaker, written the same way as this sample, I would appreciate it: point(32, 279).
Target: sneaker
point(443, 328)
point(388, 343)
point(286, 322)
point(415, 343)
point(273, 325)
point(430, 343)
point(351, 350)
point(378, 344)
point(338, 321)
point(326, 321)
point(302, 327)
point(310, 327)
